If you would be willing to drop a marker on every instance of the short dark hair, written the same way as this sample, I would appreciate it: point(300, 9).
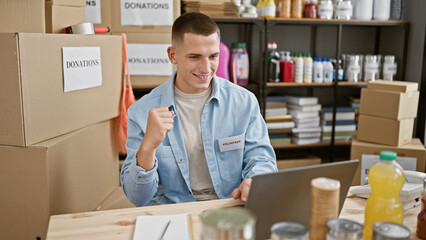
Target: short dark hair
point(193, 22)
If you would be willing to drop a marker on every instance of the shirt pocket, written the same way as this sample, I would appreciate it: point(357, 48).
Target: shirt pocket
point(230, 162)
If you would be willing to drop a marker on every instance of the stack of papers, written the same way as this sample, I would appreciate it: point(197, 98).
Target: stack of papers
point(219, 8)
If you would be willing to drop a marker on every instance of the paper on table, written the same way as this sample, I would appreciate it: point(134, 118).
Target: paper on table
point(151, 227)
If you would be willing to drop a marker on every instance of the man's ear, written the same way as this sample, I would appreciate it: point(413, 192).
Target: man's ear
point(171, 52)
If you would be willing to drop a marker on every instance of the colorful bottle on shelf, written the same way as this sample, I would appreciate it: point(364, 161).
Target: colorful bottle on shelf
point(318, 70)
point(307, 68)
point(325, 9)
point(286, 67)
point(328, 70)
point(240, 64)
point(386, 179)
point(223, 67)
point(298, 68)
point(273, 63)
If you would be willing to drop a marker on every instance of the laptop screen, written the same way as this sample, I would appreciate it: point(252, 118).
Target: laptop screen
point(285, 195)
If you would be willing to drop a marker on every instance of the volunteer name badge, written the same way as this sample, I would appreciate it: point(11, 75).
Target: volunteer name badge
point(93, 11)
point(146, 12)
point(231, 143)
point(149, 59)
point(82, 68)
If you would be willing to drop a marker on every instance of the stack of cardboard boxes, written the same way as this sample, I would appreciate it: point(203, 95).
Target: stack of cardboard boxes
point(387, 113)
point(57, 137)
point(148, 28)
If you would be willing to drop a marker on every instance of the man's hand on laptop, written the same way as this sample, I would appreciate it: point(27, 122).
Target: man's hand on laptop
point(242, 191)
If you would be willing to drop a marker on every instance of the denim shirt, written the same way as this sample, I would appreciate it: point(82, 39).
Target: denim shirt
point(231, 111)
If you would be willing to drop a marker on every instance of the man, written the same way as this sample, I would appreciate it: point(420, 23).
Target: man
point(197, 136)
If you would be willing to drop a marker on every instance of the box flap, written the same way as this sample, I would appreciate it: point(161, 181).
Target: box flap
point(394, 86)
point(71, 3)
point(11, 113)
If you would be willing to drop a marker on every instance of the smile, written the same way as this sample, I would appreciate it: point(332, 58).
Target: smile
point(201, 76)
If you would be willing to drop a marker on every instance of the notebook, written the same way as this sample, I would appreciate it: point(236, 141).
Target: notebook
point(285, 195)
point(151, 227)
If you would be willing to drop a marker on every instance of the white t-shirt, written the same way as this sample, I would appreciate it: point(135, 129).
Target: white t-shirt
point(190, 108)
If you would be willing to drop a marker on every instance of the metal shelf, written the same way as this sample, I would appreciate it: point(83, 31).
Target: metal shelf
point(293, 84)
point(320, 144)
point(312, 21)
point(352, 84)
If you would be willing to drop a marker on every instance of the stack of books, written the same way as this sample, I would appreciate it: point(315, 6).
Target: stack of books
point(345, 126)
point(305, 113)
point(355, 103)
point(278, 121)
point(218, 8)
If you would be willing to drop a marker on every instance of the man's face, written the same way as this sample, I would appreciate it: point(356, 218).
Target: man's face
point(197, 59)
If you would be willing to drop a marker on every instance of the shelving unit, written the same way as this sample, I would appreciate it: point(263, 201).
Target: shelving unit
point(338, 29)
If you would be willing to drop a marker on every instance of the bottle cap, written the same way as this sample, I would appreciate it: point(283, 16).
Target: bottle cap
point(239, 45)
point(387, 155)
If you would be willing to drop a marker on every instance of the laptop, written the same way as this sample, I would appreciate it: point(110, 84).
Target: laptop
point(285, 195)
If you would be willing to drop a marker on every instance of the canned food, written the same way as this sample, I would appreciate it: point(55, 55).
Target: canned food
point(339, 229)
point(390, 231)
point(289, 230)
point(227, 224)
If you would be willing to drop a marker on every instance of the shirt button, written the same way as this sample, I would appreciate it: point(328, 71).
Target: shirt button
point(180, 160)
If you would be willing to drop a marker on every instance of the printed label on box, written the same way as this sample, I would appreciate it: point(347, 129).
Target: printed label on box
point(146, 12)
point(149, 59)
point(82, 68)
point(407, 163)
point(93, 11)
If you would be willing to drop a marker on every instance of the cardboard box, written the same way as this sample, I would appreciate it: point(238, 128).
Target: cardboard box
point(116, 200)
point(384, 130)
point(387, 104)
point(99, 7)
point(393, 86)
point(146, 81)
point(116, 18)
point(414, 149)
point(33, 104)
point(62, 14)
point(22, 16)
point(70, 3)
point(300, 162)
point(68, 174)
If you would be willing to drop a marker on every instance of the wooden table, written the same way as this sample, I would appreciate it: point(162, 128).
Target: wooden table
point(119, 224)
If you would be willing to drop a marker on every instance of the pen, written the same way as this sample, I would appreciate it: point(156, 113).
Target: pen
point(164, 231)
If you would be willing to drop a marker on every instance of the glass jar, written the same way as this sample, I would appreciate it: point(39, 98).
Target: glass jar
point(289, 230)
point(310, 10)
point(325, 9)
point(296, 8)
point(343, 229)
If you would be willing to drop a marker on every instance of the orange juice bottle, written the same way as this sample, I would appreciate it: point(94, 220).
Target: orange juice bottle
point(386, 179)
